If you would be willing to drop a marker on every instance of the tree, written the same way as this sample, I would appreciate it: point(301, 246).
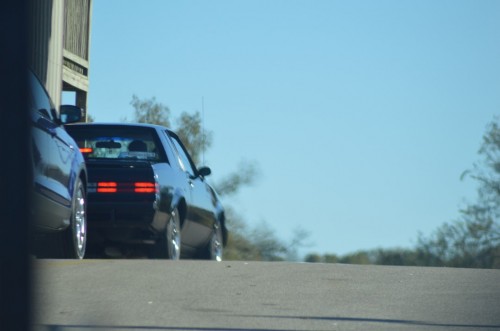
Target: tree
point(394, 257)
point(313, 258)
point(474, 239)
point(150, 111)
point(269, 247)
point(317, 258)
point(239, 245)
point(299, 240)
point(196, 139)
point(231, 183)
point(360, 257)
point(259, 243)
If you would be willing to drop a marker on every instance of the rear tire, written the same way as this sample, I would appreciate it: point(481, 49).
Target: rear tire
point(215, 248)
point(169, 245)
point(74, 238)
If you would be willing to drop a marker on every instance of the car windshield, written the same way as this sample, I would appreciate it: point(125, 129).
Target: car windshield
point(116, 142)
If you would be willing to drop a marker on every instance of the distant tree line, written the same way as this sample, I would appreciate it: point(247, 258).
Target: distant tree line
point(471, 241)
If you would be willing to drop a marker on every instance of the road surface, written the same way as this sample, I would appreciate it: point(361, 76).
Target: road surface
point(233, 295)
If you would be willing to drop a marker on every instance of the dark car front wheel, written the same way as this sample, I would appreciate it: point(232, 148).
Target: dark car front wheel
point(74, 239)
point(168, 246)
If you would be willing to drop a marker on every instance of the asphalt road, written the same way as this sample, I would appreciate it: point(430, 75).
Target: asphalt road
point(201, 296)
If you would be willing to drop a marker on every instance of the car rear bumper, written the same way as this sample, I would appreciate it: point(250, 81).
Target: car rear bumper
point(136, 214)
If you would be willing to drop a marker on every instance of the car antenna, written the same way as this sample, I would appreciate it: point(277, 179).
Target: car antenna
point(203, 129)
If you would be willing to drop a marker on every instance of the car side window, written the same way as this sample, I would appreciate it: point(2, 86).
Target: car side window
point(40, 99)
point(184, 159)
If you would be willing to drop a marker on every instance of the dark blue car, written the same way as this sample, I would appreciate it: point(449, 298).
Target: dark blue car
point(60, 179)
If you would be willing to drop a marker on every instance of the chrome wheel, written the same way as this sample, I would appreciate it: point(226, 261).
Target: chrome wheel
point(174, 236)
point(216, 245)
point(74, 238)
point(80, 223)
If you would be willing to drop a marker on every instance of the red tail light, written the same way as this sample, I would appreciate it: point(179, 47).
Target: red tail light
point(86, 150)
point(137, 187)
point(106, 187)
point(145, 187)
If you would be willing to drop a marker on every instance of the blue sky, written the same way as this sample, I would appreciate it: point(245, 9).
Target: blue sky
point(361, 115)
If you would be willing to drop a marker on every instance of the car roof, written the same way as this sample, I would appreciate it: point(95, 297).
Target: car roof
point(143, 125)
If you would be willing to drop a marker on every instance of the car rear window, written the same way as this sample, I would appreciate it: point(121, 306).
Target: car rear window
point(117, 142)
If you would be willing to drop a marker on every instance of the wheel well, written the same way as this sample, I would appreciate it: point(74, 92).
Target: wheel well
point(181, 206)
point(222, 220)
point(83, 178)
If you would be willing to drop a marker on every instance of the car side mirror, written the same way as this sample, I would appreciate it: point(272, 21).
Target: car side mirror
point(204, 171)
point(70, 114)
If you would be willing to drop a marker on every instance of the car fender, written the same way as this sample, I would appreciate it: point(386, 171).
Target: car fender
point(221, 216)
point(78, 169)
point(179, 201)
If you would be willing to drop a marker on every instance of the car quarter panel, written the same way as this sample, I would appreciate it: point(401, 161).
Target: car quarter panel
point(200, 216)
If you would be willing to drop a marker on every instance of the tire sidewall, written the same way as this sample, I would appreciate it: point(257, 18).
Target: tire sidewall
point(216, 241)
point(74, 250)
point(173, 224)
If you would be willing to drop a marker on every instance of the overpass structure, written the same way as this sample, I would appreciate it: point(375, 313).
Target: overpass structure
point(60, 47)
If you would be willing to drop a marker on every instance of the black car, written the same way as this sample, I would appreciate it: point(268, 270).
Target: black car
point(145, 190)
point(59, 179)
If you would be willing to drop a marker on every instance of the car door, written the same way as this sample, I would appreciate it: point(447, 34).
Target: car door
point(52, 157)
point(200, 212)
